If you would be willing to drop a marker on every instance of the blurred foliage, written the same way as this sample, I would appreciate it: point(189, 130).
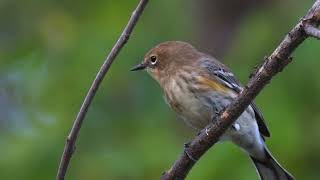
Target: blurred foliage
point(50, 52)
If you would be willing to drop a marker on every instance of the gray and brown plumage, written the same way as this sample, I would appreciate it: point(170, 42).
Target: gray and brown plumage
point(197, 87)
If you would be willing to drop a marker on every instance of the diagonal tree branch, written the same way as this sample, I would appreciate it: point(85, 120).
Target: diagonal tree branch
point(271, 66)
point(72, 137)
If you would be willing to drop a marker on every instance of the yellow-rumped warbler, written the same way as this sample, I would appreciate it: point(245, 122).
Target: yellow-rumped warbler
point(197, 87)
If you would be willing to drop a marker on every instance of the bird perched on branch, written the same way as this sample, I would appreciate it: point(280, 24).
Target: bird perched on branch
point(197, 87)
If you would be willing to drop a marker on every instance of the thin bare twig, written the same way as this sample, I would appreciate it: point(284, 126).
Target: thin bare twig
point(272, 65)
point(72, 137)
point(312, 31)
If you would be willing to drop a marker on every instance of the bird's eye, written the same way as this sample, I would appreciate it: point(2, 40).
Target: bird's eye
point(153, 60)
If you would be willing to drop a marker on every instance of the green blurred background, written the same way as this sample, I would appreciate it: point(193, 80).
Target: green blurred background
point(50, 52)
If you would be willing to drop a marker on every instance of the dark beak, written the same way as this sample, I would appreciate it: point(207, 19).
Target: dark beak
point(138, 67)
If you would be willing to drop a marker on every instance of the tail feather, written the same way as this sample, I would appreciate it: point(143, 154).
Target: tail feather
point(271, 169)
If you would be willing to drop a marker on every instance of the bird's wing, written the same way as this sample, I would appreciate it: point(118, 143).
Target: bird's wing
point(226, 77)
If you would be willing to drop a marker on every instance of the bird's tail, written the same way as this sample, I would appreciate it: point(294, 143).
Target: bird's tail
point(270, 169)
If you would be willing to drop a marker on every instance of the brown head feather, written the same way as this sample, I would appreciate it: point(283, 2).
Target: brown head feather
point(170, 55)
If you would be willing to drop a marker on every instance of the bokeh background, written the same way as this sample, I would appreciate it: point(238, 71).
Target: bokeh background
point(51, 50)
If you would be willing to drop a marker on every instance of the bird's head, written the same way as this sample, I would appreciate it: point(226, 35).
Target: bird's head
point(167, 58)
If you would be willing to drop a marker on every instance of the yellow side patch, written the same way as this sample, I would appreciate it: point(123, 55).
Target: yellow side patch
point(214, 85)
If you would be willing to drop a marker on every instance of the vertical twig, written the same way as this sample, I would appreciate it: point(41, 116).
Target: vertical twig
point(72, 137)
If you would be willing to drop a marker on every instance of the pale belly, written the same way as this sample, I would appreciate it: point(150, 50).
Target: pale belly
point(198, 110)
point(194, 111)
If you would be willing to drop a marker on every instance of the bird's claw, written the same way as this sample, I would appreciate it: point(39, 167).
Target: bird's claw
point(217, 113)
point(207, 131)
point(186, 147)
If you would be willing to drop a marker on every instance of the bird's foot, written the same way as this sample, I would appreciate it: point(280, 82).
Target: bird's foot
point(206, 130)
point(217, 113)
point(236, 126)
point(186, 151)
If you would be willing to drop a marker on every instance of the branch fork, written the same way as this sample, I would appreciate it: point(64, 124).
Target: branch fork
point(312, 31)
point(310, 27)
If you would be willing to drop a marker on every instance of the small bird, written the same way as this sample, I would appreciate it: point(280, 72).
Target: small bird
point(197, 87)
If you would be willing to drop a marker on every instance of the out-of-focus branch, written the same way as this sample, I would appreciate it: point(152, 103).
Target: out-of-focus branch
point(216, 24)
point(69, 147)
point(271, 66)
